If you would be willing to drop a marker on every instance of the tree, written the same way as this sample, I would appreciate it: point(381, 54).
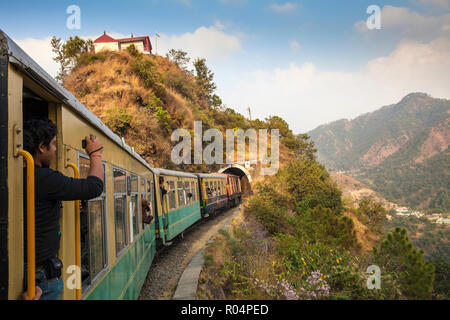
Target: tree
point(204, 78)
point(57, 48)
point(68, 54)
point(397, 257)
point(309, 185)
point(179, 57)
point(374, 211)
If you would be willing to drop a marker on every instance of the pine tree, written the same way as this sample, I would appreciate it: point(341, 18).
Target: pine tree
point(397, 257)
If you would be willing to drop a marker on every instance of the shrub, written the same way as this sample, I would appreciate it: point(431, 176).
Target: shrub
point(309, 185)
point(269, 207)
point(118, 119)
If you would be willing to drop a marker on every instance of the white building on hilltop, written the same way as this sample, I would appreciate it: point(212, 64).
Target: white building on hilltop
point(105, 42)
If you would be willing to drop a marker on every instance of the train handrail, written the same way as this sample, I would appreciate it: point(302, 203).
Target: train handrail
point(31, 249)
point(77, 233)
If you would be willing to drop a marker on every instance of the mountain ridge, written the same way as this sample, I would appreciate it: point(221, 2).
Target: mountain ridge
point(407, 140)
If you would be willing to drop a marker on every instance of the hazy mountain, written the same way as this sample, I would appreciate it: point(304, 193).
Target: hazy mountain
point(401, 150)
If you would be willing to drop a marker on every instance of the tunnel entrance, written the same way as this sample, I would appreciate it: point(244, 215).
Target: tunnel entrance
point(243, 174)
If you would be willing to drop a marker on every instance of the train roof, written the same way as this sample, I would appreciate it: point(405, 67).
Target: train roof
point(165, 172)
point(19, 58)
point(211, 175)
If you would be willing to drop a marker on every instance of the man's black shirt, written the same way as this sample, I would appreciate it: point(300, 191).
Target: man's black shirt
point(52, 187)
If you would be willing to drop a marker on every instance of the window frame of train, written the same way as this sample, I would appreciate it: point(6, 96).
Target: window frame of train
point(116, 196)
point(134, 214)
point(172, 194)
point(193, 191)
point(150, 194)
point(187, 190)
point(180, 193)
point(93, 277)
point(144, 185)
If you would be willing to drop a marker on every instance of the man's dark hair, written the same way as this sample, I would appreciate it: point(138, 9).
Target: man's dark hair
point(161, 180)
point(37, 132)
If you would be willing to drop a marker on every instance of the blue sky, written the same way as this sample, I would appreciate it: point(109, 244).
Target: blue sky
point(311, 62)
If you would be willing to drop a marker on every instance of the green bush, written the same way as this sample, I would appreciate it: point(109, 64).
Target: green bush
point(269, 207)
point(309, 185)
point(118, 119)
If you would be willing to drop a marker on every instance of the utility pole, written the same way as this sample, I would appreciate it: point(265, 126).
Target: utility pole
point(250, 113)
point(156, 40)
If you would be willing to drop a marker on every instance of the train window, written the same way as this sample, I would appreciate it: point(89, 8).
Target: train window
point(120, 209)
point(172, 196)
point(93, 230)
point(187, 190)
point(120, 183)
point(151, 197)
point(215, 188)
point(208, 189)
point(134, 206)
point(194, 194)
point(143, 195)
point(134, 183)
point(180, 189)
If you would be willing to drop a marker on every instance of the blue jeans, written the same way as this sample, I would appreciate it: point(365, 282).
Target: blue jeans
point(51, 289)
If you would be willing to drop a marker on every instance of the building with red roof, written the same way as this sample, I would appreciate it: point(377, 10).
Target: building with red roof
point(105, 42)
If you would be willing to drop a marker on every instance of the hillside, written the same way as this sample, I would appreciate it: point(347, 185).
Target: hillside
point(400, 151)
point(143, 98)
point(357, 190)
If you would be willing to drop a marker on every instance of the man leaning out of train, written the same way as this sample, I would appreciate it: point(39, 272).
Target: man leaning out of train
point(52, 187)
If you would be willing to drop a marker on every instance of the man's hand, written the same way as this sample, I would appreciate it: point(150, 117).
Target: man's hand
point(93, 146)
point(37, 296)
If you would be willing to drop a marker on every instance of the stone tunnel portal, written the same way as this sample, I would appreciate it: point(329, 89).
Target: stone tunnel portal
point(243, 174)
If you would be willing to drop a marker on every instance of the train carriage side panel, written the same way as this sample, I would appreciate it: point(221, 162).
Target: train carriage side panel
point(182, 211)
point(124, 269)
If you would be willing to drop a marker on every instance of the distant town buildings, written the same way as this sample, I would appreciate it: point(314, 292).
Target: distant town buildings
point(435, 217)
point(443, 221)
point(404, 211)
point(105, 42)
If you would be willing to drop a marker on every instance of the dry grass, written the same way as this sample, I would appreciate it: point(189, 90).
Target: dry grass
point(365, 237)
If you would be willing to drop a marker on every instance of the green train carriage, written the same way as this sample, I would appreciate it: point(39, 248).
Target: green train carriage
point(116, 248)
point(180, 208)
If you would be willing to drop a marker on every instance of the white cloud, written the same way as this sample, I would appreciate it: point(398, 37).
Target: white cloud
point(284, 8)
point(408, 24)
point(212, 43)
point(40, 51)
point(436, 3)
point(307, 96)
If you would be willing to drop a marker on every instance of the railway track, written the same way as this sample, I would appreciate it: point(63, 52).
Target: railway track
point(170, 262)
